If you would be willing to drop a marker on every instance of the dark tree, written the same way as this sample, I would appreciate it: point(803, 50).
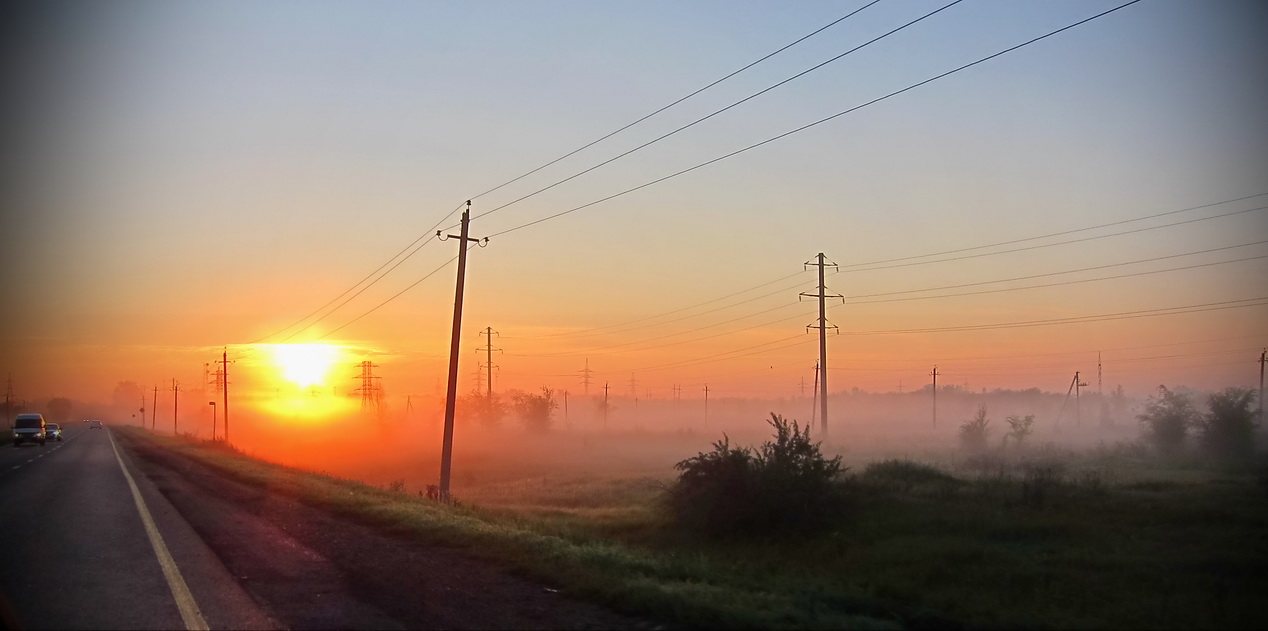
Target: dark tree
point(1167, 419)
point(535, 410)
point(1228, 430)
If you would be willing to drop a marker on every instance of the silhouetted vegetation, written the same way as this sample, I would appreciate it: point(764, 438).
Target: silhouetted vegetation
point(975, 431)
point(1019, 427)
point(535, 410)
point(1227, 430)
point(1167, 419)
point(785, 484)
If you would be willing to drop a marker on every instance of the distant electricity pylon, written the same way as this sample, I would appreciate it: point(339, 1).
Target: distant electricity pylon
point(585, 378)
point(823, 326)
point(371, 390)
point(488, 362)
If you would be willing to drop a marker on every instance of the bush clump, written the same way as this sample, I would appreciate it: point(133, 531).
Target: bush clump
point(1228, 430)
point(784, 485)
point(975, 432)
point(1167, 419)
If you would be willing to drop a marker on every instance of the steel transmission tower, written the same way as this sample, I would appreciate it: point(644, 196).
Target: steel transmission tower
point(823, 327)
point(371, 390)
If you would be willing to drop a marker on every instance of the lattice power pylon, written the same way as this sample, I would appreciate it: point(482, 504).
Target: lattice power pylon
point(371, 390)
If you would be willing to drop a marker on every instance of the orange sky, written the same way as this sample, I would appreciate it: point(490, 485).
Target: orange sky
point(202, 177)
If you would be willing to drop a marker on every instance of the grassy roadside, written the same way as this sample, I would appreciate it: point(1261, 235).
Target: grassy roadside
point(999, 544)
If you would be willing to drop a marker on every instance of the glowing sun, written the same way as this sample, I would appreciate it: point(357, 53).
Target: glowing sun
point(305, 365)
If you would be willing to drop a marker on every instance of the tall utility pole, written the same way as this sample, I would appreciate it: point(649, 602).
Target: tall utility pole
point(605, 406)
point(1100, 393)
point(814, 396)
point(706, 403)
point(1078, 409)
point(154, 411)
point(224, 386)
point(823, 326)
point(935, 396)
point(585, 378)
point(1262, 356)
point(488, 362)
point(451, 395)
point(176, 390)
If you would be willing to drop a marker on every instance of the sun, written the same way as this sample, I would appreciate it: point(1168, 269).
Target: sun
point(305, 365)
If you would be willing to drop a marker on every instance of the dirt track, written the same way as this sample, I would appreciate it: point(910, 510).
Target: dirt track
point(312, 570)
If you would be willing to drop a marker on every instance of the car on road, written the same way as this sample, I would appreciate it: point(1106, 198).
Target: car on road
point(53, 431)
point(29, 428)
point(94, 425)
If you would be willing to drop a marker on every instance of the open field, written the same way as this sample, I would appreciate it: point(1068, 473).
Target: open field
point(1049, 538)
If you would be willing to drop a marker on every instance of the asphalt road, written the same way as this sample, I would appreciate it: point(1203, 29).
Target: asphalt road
point(76, 551)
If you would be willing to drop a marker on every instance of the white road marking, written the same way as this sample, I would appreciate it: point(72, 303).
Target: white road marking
point(180, 591)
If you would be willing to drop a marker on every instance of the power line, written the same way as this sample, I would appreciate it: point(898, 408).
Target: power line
point(394, 297)
point(716, 112)
point(1055, 234)
point(1058, 284)
point(595, 330)
point(1124, 315)
point(812, 124)
point(429, 237)
point(1073, 271)
point(676, 102)
point(1049, 245)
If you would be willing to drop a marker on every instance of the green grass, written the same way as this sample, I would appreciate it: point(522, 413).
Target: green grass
point(1060, 540)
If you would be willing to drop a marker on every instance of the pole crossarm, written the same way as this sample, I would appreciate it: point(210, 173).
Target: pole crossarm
point(451, 395)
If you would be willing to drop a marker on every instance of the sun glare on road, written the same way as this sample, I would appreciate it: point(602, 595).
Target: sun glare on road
point(305, 365)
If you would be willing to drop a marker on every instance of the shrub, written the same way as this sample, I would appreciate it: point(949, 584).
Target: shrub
point(785, 484)
point(1019, 427)
point(1167, 419)
point(974, 432)
point(1228, 430)
point(535, 410)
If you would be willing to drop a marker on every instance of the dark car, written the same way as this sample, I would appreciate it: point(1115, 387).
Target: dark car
point(53, 431)
point(94, 425)
point(29, 428)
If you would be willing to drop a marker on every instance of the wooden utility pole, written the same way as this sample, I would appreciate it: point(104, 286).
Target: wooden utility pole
point(176, 390)
point(154, 411)
point(488, 362)
point(823, 326)
point(224, 386)
point(706, 403)
point(935, 396)
point(451, 395)
point(814, 396)
point(605, 406)
point(1078, 408)
point(1262, 356)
